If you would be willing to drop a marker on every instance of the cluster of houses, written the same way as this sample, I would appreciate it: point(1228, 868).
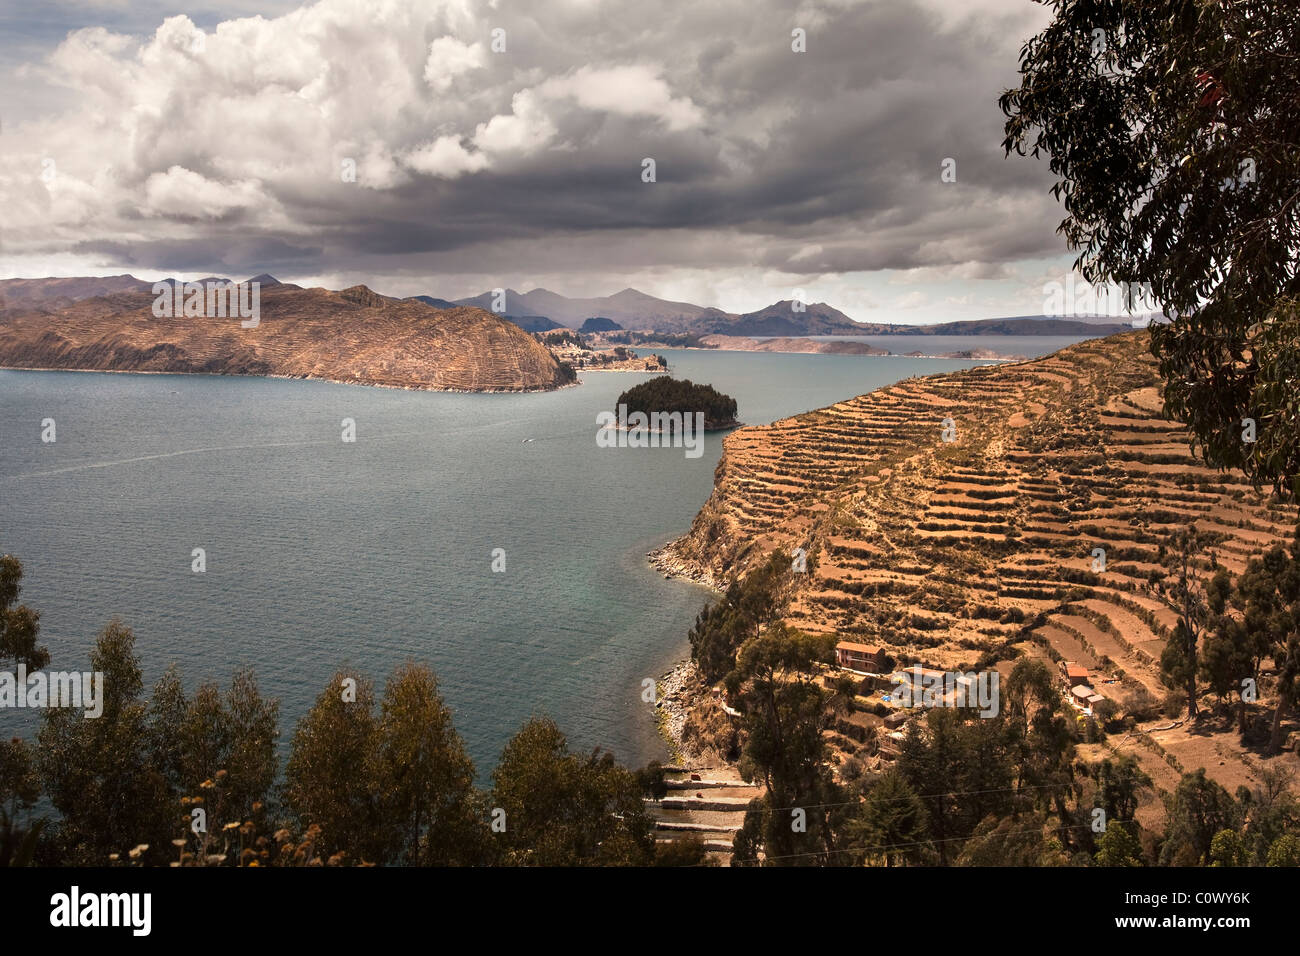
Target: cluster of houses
point(874, 666)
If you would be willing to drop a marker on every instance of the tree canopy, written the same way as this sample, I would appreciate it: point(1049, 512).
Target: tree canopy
point(1173, 129)
point(663, 393)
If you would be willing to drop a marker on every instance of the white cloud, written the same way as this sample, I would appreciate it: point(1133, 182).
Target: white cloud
point(628, 91)
point(184, 194)
point(448, 59)
point(445, 157)
point(526, 127)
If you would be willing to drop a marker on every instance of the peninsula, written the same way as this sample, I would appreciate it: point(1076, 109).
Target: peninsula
point(355, 336)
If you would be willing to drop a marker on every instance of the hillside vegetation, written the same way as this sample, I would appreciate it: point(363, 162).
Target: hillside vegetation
point(965, 552)
point(666, 394)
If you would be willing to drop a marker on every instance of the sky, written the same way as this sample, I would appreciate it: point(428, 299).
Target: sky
point(448, 147)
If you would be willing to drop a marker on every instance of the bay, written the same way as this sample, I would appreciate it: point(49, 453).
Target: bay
point(322, 553)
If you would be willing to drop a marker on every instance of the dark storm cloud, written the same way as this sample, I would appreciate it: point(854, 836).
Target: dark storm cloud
point(819, 162)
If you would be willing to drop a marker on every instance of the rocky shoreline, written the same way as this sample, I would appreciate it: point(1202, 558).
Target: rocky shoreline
point(671, 564)
point(674, 703)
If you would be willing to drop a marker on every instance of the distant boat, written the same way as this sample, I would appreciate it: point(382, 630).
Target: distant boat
point(527, 440)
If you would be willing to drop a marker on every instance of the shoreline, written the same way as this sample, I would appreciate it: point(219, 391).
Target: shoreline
point(679, 691)
point(668, 561)
point(303, 378)
point(673, 706)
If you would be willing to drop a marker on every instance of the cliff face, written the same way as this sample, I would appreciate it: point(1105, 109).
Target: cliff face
point(354, 336)
point(940, 549)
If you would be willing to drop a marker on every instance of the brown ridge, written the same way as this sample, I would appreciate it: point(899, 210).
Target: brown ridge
point(354, 336)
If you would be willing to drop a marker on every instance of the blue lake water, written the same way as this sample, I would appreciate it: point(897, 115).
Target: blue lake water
point(321, 552)
point(1030, 346)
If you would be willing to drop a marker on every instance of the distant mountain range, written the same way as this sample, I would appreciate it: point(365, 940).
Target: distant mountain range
point(542, 310)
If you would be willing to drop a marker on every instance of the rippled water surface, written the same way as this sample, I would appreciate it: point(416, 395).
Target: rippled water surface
point(321, 552)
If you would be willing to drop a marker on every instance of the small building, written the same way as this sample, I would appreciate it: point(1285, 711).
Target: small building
point(1075, 674)
point(860, 657)
point(1082, 694)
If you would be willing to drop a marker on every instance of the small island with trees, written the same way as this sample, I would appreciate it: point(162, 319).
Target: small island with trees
point(663, 393)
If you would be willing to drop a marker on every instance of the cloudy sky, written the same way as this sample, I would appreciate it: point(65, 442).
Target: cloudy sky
point(219, 138)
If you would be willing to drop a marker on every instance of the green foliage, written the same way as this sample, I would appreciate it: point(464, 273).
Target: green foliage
point(749, 604)
point(1196, 811)
point(397, 788)
point(1027, 840)
point(1039, 737)
point(776, 685)
point(666, 394)
point(394, 784)
point(566, 809)
point(963, 771)
point(1170, 127)
point(1120, 784)
point(20, 787)
point(1228, 849)
point(686, 851)
point(1285, 852)
point(891, 826)
point(98, 773)
point(19, 624)
point(326, 782)
point(1257, 615)
point(422, 774)
point(1271, 812)
point(1119, 846)
point(1182, 586)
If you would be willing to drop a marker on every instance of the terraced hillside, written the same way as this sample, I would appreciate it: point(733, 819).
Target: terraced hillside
point(944, 550)
point(354, 336)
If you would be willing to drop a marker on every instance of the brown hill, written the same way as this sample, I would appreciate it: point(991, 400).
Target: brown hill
point(945, 552)
point(58, 292)
point(354, 336)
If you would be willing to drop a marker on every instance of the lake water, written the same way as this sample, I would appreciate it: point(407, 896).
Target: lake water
point(1030, 346)
point(321, 552)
